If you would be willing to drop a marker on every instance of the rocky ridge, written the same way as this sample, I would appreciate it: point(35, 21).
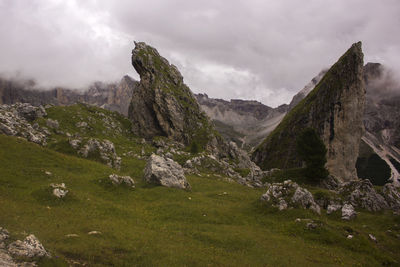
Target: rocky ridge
point(334, 109)
point(112, 96)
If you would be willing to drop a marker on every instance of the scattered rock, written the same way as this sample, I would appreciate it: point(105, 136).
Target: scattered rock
point(71, 235)
point(350, 237)
point(116, 179)
point(4, 234)
point(52, 124)
point(282, 195)
point(48, 173)
point(165, 172)
point(29, 248)
point(348, 212)
point(372, 237)
point(59, 190)
point(81, 124)
point(311, 225)
point(332, 208)
point(94, 233)
point(361, 193)
point(105, 149)
point(392, 196)
point(15, 120)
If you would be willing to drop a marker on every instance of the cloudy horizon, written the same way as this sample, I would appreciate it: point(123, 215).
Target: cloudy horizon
point(262, 50)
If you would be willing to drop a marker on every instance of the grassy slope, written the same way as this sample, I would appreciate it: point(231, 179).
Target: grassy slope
point(157, 226)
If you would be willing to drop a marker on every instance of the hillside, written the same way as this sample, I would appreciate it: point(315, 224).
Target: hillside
point(218, 223)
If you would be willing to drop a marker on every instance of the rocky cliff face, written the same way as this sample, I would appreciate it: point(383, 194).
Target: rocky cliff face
point(244, 122)
point(112, 96)
point(162, 105)
point(334, 109)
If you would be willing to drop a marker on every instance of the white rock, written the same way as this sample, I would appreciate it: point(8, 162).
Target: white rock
point(165, 172)
point(30, 247)
point(332, 208)
point(116, 179)
point(348, 212)
point(373, 238)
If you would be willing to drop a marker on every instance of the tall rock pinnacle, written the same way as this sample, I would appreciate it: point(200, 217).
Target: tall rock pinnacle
point(162, 105)
point(334, 109)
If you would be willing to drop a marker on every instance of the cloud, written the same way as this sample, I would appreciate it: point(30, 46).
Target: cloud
point(253, 49)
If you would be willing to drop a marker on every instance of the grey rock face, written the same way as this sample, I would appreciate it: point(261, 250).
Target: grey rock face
point(117, 180)
point(290, 194)
point(335, 110)
point(29, 248)
point(15, 120)
point(163, 105)
point(348, 212)
point(165, 172)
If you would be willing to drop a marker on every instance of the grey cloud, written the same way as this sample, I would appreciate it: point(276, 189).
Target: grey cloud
point(264, 50)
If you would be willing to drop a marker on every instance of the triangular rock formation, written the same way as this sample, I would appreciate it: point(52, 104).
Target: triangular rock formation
point(163, 105)
point(334, 109)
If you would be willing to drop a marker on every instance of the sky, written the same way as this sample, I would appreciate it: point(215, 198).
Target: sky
point(252, 49)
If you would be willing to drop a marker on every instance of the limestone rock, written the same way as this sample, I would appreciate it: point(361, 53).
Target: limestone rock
point(361, 193)
point(334, 109)
point(290, 194)
point(29, 248)
point(165, 172)
point(348, 212)
point(116, 179)
point(332, 208)
point(52, 124)
point(162, 105)
point(392, 196)
point(105, 149)
point(15, 120)
point(59, 190)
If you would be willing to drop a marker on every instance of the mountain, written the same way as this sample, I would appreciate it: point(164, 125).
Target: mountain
point(113, 96)
point(334, 109)
point(245, 122)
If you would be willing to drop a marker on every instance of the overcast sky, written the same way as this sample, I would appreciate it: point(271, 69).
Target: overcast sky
point(250, 49)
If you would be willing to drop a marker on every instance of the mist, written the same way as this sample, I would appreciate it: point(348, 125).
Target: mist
point(262, 50)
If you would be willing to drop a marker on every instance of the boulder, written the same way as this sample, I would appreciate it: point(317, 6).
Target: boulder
point(392, 196)
point(59, 190)
point(165, 172)
point(361, 193)
point(348, 212)
point(117, 180)
point(29, 248)
point(305, 199)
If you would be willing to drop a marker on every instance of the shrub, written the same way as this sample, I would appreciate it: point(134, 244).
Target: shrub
point(312, 151)
point(194, 148)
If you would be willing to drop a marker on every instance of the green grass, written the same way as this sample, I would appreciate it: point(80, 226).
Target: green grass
point(158, 226)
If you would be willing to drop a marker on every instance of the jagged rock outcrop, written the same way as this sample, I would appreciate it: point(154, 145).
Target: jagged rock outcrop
point(165, 172)
point(162, 105)
point(334, 109)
